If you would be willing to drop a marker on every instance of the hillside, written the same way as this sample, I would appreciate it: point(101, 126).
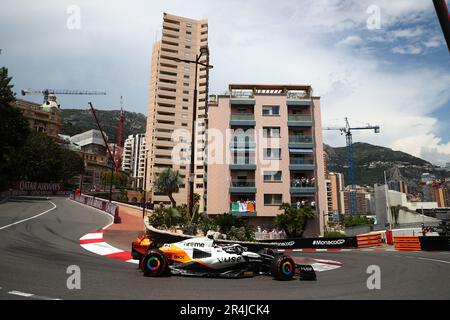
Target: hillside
point(75, 121)
point(371, 161)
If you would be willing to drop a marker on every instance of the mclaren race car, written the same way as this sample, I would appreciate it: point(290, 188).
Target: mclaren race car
point(204, 257)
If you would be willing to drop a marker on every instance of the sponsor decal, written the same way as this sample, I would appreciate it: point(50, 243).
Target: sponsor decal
point(194, 244)
point(284, 244)
point(328, 242)
point(229, 259)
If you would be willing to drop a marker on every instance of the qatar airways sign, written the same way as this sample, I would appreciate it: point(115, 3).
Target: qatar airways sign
point(39, 186)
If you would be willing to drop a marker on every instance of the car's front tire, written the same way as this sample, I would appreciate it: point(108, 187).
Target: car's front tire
point(154, 264)
point(283, 267)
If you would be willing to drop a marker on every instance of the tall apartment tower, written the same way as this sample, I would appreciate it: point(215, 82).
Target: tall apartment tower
point(170, 104)
point(133, 158)
point(265, 148)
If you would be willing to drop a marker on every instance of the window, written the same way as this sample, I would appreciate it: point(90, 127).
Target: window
point(186, 92)
point(186, 84)
point(271, 110)
point(184, 124)
point(186, 76)
point(187, 47)
point(188, 32)
point(189, 25)
point(271, 132)
point(272, 176)
point(185, 100)
point(272, 154)
point(273, 199)
point(188, 40)
point(185, 108)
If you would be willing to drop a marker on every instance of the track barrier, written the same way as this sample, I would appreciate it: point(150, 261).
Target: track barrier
point(369, 240)
point(406, 243)
point(100, 204)
point(435, 243)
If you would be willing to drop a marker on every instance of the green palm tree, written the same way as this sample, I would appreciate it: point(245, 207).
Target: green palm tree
point(168, 182)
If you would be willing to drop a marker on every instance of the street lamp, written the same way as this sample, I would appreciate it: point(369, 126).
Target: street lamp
point(203, 51)
point(144, 204)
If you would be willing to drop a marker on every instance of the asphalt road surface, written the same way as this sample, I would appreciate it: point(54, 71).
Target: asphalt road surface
point(36, 250)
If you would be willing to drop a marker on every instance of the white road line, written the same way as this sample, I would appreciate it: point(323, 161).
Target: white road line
point(443, 261)
point(22, 294)
point(33, 217)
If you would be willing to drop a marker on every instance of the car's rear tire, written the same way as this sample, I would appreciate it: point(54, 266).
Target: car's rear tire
point(155, 264)
point(283, 267)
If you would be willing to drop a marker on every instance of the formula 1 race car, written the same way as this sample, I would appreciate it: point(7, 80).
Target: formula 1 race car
point(205, 258)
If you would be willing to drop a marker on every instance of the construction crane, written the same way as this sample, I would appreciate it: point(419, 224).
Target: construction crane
point(347, 130)
point(119, 136)
point(47, 92)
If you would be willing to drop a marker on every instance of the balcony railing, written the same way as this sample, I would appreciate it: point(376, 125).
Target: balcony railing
point(303, 183)
point(240, 183)
point(300, 139)
point(301, 161)
point(242, 117)
point(298, 95)
point(299, 118)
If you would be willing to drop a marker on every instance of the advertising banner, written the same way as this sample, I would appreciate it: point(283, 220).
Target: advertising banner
point(315, 243)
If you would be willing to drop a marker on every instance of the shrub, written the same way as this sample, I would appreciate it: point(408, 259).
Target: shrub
point(190, 229)
point(353, 221)
point(334, 234)
point(293, 220)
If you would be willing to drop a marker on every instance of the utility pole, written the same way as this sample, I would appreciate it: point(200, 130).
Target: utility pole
point(203, 51)
point(388, 207)
point(112, 174)
point(144, 204)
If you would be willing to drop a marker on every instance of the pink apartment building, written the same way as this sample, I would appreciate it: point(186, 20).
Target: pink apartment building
point(265, 148)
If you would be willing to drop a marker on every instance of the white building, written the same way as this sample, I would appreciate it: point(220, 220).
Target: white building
point(401, 210)
point(133, 158)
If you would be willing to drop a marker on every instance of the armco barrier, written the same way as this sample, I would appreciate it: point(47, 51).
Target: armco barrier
point(405, 243)
point(369, 240)
point(435, 243)
point(100, 204)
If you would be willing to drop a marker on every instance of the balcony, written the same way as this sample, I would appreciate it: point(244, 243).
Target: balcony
point(297, 164)
point(300, 120)
point(303, 186)
point(301, 142)
point(242, 120)
point(240, 186)
point(242, 97)
point(243, 208)
point(243, 165)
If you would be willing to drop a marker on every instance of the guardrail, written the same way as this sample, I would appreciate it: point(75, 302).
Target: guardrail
point(100, 204)
point(406, 243)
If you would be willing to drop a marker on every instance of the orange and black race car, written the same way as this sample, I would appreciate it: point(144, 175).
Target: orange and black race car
point(205, 257)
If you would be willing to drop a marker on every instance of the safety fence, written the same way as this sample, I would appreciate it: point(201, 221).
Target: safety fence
point(100, 204)
point(369, 240)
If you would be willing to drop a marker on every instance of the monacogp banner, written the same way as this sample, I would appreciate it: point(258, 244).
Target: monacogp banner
point(100, 204)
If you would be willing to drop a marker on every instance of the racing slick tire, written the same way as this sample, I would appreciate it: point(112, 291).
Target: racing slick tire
point(283, 268)
point(155, 264)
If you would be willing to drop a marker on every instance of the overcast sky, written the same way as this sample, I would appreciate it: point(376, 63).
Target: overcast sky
point(396, 76)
